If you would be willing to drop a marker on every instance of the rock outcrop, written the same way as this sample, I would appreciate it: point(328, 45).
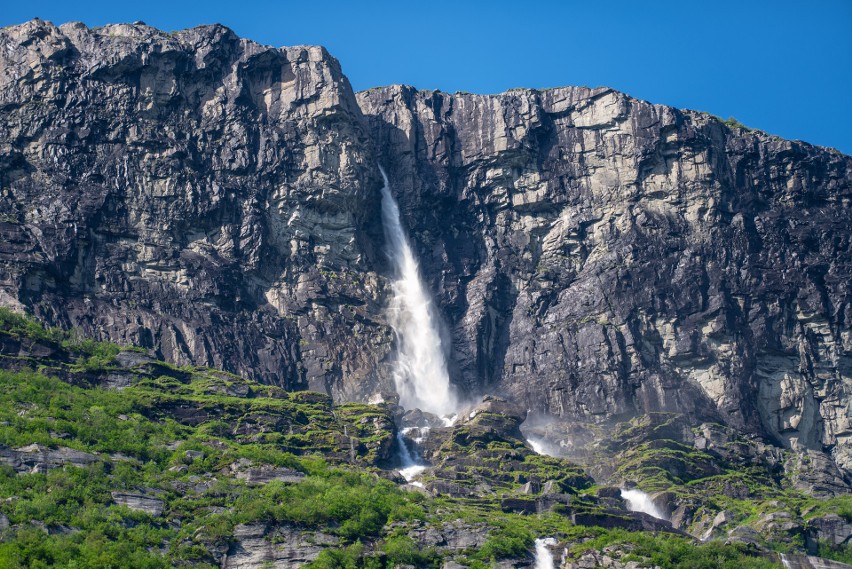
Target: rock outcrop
point(594, 256)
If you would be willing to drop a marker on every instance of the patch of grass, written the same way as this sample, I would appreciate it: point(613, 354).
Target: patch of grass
point(734, 123)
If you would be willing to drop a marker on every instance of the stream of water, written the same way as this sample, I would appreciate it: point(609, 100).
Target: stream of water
point(421, 374)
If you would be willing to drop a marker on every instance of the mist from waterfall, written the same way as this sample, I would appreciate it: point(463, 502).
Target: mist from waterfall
point(421, 376)
point(639, 501)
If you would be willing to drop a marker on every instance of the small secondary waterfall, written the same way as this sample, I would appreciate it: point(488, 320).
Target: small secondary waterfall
point(639, 501)
point(410, 466)
point(421, 376)
point(543, 555)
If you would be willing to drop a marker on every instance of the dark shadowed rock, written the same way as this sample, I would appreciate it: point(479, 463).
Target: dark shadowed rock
point(831, 529)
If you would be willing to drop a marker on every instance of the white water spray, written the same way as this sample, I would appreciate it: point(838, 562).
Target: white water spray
point(543, 555)
point(410, 465)
point(639, 501)
point(421, 375)
point(536, 445)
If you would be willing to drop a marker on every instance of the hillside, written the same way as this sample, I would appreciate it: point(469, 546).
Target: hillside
point(249, 317)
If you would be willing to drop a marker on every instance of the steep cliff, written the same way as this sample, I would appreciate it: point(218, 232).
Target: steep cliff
point(594, 257)
point(599, 256)
point(193, 192)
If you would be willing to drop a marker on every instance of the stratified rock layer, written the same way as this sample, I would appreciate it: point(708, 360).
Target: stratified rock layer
point(599, 256)
point(593, 256)
point(193, 192)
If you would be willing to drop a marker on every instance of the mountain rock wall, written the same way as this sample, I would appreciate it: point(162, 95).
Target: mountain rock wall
point(598, 256)
point(192, 192)
point(593, 256)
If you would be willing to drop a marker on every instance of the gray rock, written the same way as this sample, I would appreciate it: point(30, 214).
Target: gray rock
point(459, 535)
point(744, 534)
point(258, 546)
point(722, 518)
point(831, 529)
point(139, 502)
point(816, 474)
point(263, 474)
point(38, 458)
point(130, 358)
point(519, 505)
point(119, 381)
point(592, 255)
point(791, 561)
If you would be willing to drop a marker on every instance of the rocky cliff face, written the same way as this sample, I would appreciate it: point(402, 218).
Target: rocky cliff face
point(593, 256)
point(597, 256)
point(193, 192)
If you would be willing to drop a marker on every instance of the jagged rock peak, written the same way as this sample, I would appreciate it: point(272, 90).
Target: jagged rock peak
point(125, 49)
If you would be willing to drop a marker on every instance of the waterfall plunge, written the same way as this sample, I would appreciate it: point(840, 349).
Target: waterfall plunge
point(543, 556)
point(411, 466)
point(639, 501)
point(421, 374)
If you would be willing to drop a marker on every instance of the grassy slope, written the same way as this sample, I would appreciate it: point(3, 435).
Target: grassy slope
point(140, 436)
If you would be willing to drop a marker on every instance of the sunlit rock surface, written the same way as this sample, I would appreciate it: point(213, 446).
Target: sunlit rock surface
point(599, 256)
point(593, 257)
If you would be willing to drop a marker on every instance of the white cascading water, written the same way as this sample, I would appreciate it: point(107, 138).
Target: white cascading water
point(421, 375)
point(639, 501)
point(537, 446)
point(543, 555)
point(411, 467)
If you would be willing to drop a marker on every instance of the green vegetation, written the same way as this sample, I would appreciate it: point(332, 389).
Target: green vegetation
point(512, 538)
point(676, 552)
point(189, 440)
point(734, 123)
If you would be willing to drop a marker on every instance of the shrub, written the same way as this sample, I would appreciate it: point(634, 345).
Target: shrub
point(511, 540)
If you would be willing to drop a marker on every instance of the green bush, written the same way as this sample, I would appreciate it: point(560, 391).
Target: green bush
point(23, 325)
point(355, 505)
point(734, 123)
point(513, 539)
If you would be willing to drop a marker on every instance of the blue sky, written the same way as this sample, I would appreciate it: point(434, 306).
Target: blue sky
point(782, 66)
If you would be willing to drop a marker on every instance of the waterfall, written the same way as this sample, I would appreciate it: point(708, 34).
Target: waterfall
point(543, 555)
point(539, 446)
point(421, 374)
point(639, 501)
point(411, 467)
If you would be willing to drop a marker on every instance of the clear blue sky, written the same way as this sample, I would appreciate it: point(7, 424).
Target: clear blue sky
point(782, 66)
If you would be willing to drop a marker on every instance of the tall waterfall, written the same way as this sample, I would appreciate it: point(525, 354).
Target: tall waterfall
point(421, 374)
